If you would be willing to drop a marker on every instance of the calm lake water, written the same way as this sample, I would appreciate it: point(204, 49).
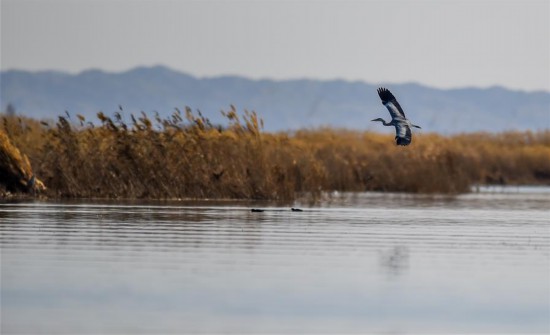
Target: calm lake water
point(357, 263)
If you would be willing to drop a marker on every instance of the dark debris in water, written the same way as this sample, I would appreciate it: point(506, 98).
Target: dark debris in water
point(258, 210)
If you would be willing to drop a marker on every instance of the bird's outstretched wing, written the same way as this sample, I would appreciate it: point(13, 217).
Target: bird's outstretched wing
point(403, 134)
point(391, 103)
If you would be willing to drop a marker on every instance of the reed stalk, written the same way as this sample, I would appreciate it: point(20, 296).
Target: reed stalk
point(186, 156)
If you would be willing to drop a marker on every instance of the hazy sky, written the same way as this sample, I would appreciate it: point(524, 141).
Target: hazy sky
point(437, 43)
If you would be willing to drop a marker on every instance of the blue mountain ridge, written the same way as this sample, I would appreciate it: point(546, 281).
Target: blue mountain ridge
point(282, 104)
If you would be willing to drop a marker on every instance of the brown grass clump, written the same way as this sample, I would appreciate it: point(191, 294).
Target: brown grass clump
point(185, 156)
point(16, 174)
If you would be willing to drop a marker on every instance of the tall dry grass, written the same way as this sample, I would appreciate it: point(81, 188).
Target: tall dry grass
point(185, 156)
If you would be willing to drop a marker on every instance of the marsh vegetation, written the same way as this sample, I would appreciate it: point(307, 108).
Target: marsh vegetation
point(186, 156)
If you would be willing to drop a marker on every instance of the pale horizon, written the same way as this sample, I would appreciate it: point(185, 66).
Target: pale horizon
point(454, 44)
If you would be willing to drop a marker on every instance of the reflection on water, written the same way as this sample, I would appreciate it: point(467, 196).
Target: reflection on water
point(369, 262)
point(395, 260)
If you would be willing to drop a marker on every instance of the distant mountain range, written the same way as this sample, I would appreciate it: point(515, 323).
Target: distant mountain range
point(283, 105)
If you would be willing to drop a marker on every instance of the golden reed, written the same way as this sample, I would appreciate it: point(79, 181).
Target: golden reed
point(186, 156)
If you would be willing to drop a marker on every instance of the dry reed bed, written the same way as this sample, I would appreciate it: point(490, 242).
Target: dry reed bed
point(184, 156)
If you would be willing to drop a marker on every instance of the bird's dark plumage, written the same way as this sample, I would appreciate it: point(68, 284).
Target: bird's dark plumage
point(404, 140)
point(387, 98)
point(403, 134)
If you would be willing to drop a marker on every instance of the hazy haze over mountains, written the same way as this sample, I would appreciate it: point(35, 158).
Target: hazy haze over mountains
point(283, 105)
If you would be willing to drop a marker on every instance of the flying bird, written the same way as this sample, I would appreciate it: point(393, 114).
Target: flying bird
point(403, 134)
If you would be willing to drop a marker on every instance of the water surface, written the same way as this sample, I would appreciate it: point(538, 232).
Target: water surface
point(356, 263)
